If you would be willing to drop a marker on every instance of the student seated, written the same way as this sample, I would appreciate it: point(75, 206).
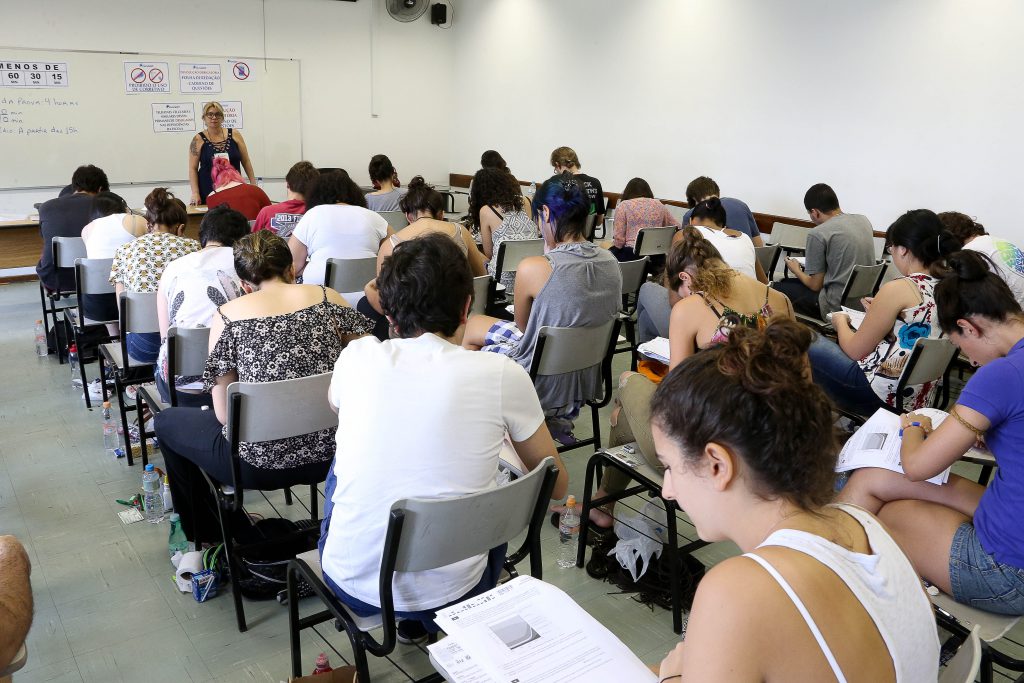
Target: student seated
point(962, 537)
point(282, 218)
point(420, 417)
point(424, 208)
point(736, 247)
point(191, 290)
point(279, 330)
point(337, 224)
point(861, 373)
point(138, 264)
point(575, 284)
point(230, 189)
point(565, 160)
point(1007, 258)
point(738, 214)
point(66, 216)
point(714, 300)
point(111, 224)
point(387, 190)
point(822, 592)
point(837, 242)
point(497, 207)
point(637, 209)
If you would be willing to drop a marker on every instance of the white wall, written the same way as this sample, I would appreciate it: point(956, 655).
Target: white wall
point(412, 75)
point(897, 104)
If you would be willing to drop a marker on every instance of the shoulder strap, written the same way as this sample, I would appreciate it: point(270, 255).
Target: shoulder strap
point(203, 136)
point(227, 321)
point(767, 289)
point(710, 305)
point(324, 288)
point(799, 604)
point(496, 212)
point(230, 133)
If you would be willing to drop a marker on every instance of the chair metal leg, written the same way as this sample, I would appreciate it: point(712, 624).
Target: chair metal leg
point(293, 624)
point(85, 381)
point(142, 430)
point(313, 510)
point(674, 562)
point(103, 379)
point(588, 490)
point(987, 674)
point(233, 568)
point(119, 391)
point(596, 419)
point(287, 495)
point(986, 474)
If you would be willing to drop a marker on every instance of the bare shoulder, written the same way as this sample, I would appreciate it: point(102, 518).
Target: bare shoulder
point(333, 296)
point(778, 301)
point(237, 135)
point(532, 266)
point(740, 591)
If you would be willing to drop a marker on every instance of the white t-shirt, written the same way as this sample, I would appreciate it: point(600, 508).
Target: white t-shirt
point(195, 286)
point(419, 418)
point(106, 234)
point(1008, 258)
point(338, 231)
point(737, 251)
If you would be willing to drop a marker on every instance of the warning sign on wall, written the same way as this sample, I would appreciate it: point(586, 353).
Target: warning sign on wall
point(199, 78)
point(146, 77)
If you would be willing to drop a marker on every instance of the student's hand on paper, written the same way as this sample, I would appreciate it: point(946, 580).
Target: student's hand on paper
point(837, 317)
point(866, 301)
point(792, 264)
point(672, 665)
point(908, 419)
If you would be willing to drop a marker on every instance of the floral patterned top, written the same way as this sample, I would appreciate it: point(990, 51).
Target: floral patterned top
point(884, 365)
point(297, 344)
point(139, 264)
point(633, 214)
point(515, 225)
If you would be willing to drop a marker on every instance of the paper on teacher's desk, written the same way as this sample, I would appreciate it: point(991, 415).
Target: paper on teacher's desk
point(528, 631)
point(658, 349)
point(877, 444)
point(455, 665)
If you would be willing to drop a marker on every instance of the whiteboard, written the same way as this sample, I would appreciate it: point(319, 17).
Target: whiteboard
point(133, 115)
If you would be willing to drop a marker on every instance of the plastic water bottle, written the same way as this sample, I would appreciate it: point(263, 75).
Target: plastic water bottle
point(259, 181)
point(76, 378)
point(323, 665)
point(111, 444)
point(168, 502)
point(176, 541)
point(532, 190)
point(568, 534)
point(152, 496)
point(40, 332)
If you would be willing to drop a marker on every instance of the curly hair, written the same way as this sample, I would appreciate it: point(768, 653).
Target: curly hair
point(333, 187)
point(754, 396)
point(421, 197)
point(494, 187)
point(961, 226)
point(697, 256)
point(163, 208)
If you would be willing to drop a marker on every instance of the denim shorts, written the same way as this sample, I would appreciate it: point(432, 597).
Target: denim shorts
point(979, 580)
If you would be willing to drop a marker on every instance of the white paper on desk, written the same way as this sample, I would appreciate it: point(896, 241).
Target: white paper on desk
point(455, 665)
point(856, 317)
point(658, 349)
point(802, 260)
point(877, 444)
point(528, 631)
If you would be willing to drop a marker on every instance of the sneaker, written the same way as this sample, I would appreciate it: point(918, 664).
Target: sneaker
point(411, 632)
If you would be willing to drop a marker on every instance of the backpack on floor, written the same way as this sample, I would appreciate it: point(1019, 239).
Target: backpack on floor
point(263, 570)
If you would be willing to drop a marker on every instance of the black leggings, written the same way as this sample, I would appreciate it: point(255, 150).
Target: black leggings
point(191, 441)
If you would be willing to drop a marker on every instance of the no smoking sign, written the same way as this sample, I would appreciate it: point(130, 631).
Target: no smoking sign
point(145, 77)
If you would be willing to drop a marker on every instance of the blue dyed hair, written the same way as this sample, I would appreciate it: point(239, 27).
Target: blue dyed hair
point(567, 203)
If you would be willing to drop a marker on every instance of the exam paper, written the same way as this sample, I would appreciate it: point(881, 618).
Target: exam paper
point(856, 317)
point(528, 631)
point(455, 665)
point(658, 349)
point(877, 444)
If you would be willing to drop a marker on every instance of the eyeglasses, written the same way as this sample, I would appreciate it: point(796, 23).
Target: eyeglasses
point(214, 115)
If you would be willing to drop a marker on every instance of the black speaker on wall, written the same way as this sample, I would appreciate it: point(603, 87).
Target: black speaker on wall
point(438, 14)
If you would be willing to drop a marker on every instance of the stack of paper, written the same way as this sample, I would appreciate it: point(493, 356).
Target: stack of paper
point(657, 349)
point(528, 631)
point(877, 444)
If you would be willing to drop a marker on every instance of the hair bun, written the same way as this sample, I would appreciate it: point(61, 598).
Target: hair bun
point(968, 265)
point(417, 182)
point(765, 362)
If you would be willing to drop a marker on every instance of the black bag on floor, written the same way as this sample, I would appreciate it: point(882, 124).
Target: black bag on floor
point(263, 569)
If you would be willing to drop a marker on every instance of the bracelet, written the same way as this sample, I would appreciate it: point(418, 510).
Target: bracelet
point(912, 424)
point(669, 678)
point(979, 433)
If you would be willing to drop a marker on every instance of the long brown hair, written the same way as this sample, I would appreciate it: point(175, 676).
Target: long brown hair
point(699, 257)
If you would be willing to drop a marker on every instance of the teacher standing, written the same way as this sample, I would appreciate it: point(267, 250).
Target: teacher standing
point(215, 140)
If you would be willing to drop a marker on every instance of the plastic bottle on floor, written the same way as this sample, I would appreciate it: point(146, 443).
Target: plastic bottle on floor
point(176, 541)
point(168, 502)
point(40, 334)
point(323, 665)
point(568, 534)
point(111, 445)
point(152, 495)
point(76, 378)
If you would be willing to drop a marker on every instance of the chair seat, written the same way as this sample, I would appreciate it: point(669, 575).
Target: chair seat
point(152, 398)
point(980, 457)
point(17, 663)
point(991, 627)
point(86, 322)
point(116, 358)
point(312, 558)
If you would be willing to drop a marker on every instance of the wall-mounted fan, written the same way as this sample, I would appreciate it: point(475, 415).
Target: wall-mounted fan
point(407, 10)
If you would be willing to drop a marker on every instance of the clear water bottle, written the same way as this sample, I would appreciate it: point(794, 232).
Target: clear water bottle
point(76, 377)
point(176, 541)
point(568, 534)
point(531, 190)
point(40, 333)
point(152, 495)
point(111, 444)
point(168, 501)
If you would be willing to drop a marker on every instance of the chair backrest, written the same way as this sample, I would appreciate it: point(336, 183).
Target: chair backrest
point(92, 276)
point(768, 257)
point(569, 349)
point(928, 361)
point(264, 411)
point(434, 533)
point(863, 282)
point(511, 252)
point(654, 241)
point(966, 663)
point(396, 219)
point(481, 292)
point(633, 275)
point(66, 250)
point(788, 235)
point(138, 313)
point(890, 273)
point(350, 274)
point(588, 226)
point(187, 350)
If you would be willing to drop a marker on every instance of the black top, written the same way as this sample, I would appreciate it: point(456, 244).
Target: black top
point(592, 186)
point(61, 217)
point(206, 155)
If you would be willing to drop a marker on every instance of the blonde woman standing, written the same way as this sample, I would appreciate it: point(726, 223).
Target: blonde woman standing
point(214, 141)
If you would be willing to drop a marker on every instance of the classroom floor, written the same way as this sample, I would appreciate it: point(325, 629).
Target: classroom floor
point(106, 608)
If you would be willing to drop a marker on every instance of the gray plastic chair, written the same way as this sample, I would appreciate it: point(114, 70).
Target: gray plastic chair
point(654, 241)
point(634, 273)
point(350, 275)
point(966, 663)
point(512, 252)
point(65, 251)
point(988, 627)
point(588, 226)
point(792, 238)
point(396, 219)
point(930, 361)
point(137, 315)
point(268, 411)
point(92, 277)
point(863, 282)
point(427, 533)
point(768, 257)
point(481, 294)
point(562, 350)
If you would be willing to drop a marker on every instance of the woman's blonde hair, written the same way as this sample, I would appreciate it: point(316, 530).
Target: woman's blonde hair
point(565, 156)
point(212, 105)
point(699, 257)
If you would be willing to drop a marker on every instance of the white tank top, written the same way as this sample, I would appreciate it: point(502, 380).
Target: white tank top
point(106, 235)
point(737, 250)
point(886, 585)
